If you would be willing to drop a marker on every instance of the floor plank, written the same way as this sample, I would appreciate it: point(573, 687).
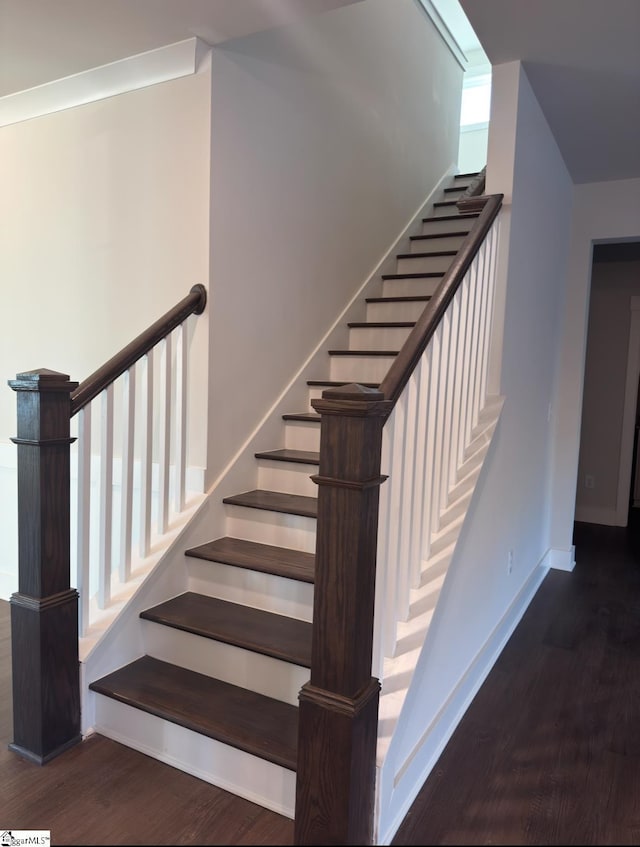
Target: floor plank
point(547, 753)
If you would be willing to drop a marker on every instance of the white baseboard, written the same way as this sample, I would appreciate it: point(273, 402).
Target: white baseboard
point(161, 65)
point(560, 560)
point(412, 774)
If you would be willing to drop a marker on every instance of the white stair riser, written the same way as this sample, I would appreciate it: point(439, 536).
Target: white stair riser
point(266, 591)
point(425, 598)
point(455, 509)
point(289, 477)
point(360, 368)
point(457, 194)
point(243, 774)
point(395, 311)
point(449, 207)
point(424, 264)
point(412, 638)
point(268, 527)
point(445, 536)
point(378, 338)
point(407, 287)
point(448, 242)
point(431, 227)
point(264, 674)
point(302, 435)
point(466, 482)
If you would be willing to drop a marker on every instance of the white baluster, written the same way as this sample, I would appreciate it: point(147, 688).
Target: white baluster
point(180, 418)
point(83, 550)
point(409, 401)
point(106, 499)
point(146, 455)
point(164, 456)
point(440, 423)
point(418, 495)
point(126, 487)
point(454, 312)
point(432, 428)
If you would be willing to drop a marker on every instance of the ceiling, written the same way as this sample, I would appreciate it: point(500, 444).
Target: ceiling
point(582, 58)
point(43, 40)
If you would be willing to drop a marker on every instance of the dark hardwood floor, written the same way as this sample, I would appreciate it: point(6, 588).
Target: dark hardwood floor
point(548, 752)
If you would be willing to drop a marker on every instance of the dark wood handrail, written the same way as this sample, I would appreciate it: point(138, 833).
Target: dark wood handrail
point(409, 356)
point(193, 304)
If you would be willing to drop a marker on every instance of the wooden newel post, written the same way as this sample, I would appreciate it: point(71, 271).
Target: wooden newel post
point(338, 713)
point(44, 611)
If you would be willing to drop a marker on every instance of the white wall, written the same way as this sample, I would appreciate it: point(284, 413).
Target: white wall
point(613, 284)
point(472, 148)
point(603, 211)
point(104, 225)
point(326, 138)
point(481, 601)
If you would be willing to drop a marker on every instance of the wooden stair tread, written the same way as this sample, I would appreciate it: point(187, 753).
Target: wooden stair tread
point(462, 216)
point(381, 324)
point(423, 275)
point(363, 353)
point(439, 203)
point(466, 176)
point(288, 639)
point(259, 725)
point(418, 298)
point(276, 501)
point(337, 383)
point(432, 235)
point(252, 555)
point(453, 188)
point(311, 417)
point(428, 255)
point(301, 457)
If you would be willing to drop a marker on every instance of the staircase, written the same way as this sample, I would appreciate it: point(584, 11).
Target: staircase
point(216, 691)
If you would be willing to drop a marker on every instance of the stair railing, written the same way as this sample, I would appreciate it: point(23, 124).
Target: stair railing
point(47, 615)
point(414, 427)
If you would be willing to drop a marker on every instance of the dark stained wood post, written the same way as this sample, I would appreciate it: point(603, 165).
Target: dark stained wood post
point(44, 611)
point(335, 789)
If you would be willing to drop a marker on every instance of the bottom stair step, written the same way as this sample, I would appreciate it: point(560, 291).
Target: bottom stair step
point(251, 722)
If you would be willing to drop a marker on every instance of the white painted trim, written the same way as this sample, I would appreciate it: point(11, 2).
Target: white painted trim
point(445, 33)
point(160, 65)
point(560, 560)
point(629, 415)
point(458, 702)
point(597, 514)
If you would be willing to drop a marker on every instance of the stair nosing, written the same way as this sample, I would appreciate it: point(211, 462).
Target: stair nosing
point(429, 255)
point(335, 383)
point(461, 217)
point(284, 454)
point(452, 234)
point(381, 324)
point(363, 353)
point(418, 298)
point(302, 417)
point(423, 275)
